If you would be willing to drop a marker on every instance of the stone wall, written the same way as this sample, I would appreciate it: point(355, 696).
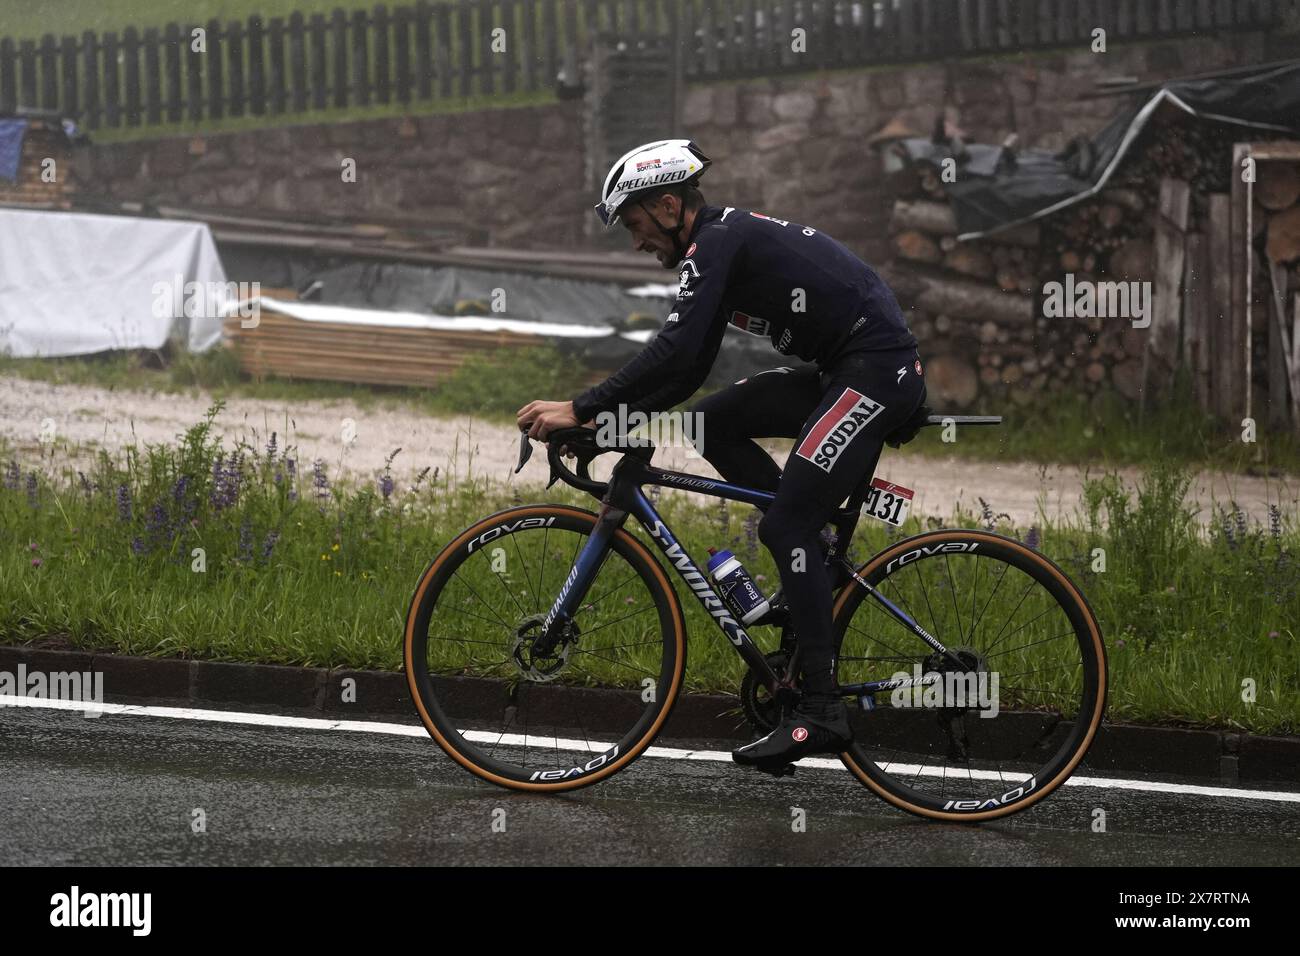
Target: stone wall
point(511, 176)
point(797, 147)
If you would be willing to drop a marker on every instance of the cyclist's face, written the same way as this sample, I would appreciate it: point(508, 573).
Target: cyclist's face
point(646, 236)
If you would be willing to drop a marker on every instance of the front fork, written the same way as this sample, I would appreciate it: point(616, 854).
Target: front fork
point(576, 585)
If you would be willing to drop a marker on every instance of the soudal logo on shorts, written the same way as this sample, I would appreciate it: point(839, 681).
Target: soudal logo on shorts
point(835, 429)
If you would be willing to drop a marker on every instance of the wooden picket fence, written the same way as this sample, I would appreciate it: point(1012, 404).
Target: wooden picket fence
point(456, 49)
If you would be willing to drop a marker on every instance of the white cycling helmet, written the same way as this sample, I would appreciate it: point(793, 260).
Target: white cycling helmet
point(649, 166)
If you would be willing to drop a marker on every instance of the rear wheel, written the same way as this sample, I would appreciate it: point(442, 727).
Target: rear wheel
point(1003, 729)
point(532, 720)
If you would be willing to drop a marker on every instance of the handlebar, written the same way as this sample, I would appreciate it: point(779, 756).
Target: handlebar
point(582, 443)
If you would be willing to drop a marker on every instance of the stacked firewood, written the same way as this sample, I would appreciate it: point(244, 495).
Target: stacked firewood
point(978, 305)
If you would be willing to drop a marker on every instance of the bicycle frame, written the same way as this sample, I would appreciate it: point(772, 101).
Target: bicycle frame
point(624, 497)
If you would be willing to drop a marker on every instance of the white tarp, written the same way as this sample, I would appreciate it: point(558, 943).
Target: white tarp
point(314, 312)
point(74, 284)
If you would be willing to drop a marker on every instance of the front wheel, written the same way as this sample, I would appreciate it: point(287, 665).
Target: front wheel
point(520, 714)
point(997, 732)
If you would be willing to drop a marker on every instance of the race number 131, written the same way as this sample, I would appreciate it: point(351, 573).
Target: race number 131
point(887, 502)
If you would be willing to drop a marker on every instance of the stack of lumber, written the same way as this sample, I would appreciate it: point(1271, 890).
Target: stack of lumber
point(286, 347)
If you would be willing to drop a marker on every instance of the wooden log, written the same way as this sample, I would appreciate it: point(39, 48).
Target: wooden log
point(1295, 361)
point(1170, 247)
point(964, 299)
point(922, 215)
point(1281, 376)
point(938, 219)
point(1284, 236)
point(1278, 185)
point(969, 260)
point(917, 247)
point(1197, 309)
point(1128, 199)
point(1239, 321)
point(1133, 261)
point(1219, 338)
point(952, 379)
point(1127, 379)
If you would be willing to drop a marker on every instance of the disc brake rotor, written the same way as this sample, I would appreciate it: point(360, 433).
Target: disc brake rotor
point(542, 667)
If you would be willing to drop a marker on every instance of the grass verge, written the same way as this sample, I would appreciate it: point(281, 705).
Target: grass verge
point(195, 550)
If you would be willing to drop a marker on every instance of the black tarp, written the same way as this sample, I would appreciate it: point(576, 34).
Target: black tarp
point(439, 289)
point(996, 189)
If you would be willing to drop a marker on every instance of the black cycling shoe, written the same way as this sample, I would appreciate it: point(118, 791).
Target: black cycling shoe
point(819, 725)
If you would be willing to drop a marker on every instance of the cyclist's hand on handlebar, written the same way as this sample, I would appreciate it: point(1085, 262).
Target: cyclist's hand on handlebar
point(564, 449)
point(542, 418)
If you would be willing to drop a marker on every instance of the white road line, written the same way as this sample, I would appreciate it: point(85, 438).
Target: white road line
point(549, 743)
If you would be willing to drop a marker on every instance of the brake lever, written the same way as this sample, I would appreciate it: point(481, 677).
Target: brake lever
point(525, 450)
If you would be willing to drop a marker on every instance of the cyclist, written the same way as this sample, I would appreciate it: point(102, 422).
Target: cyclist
point(816, 300)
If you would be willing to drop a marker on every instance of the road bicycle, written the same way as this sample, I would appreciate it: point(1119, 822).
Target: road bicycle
point(545, 645)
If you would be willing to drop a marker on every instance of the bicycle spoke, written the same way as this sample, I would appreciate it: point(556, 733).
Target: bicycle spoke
point(930, 751)
point(1012, 650)
point(952, 586)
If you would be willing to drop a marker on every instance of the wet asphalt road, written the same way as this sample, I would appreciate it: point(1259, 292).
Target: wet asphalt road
point(122, 790)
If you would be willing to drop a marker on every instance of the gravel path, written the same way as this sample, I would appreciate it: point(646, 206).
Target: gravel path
point(88, 418)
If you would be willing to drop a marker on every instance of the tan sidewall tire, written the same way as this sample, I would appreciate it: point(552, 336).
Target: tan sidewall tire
point(1094, 630)
point(679, 637)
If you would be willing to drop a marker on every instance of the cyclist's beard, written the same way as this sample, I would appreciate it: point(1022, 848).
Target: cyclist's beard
point(678, 250)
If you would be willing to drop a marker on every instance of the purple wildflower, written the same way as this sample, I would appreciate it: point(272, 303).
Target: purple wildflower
point(32, 498)
point(37, 562)
point(124, 502)
point(246, 540)
point(269, 545)
point(1228, 532)
point(13, 477)
point(270, 448)
point(157, 524)
point(751, 534)
point(386, 486)
point(319, 480)
point(1032, 539)
point(137, 546)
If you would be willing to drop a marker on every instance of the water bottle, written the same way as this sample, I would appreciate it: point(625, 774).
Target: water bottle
point(738, 592)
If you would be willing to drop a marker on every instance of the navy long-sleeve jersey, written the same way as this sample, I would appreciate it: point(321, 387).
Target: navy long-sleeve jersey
point(808, 292)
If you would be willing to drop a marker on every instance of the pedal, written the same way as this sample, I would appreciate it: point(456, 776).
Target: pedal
point(777, 770)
